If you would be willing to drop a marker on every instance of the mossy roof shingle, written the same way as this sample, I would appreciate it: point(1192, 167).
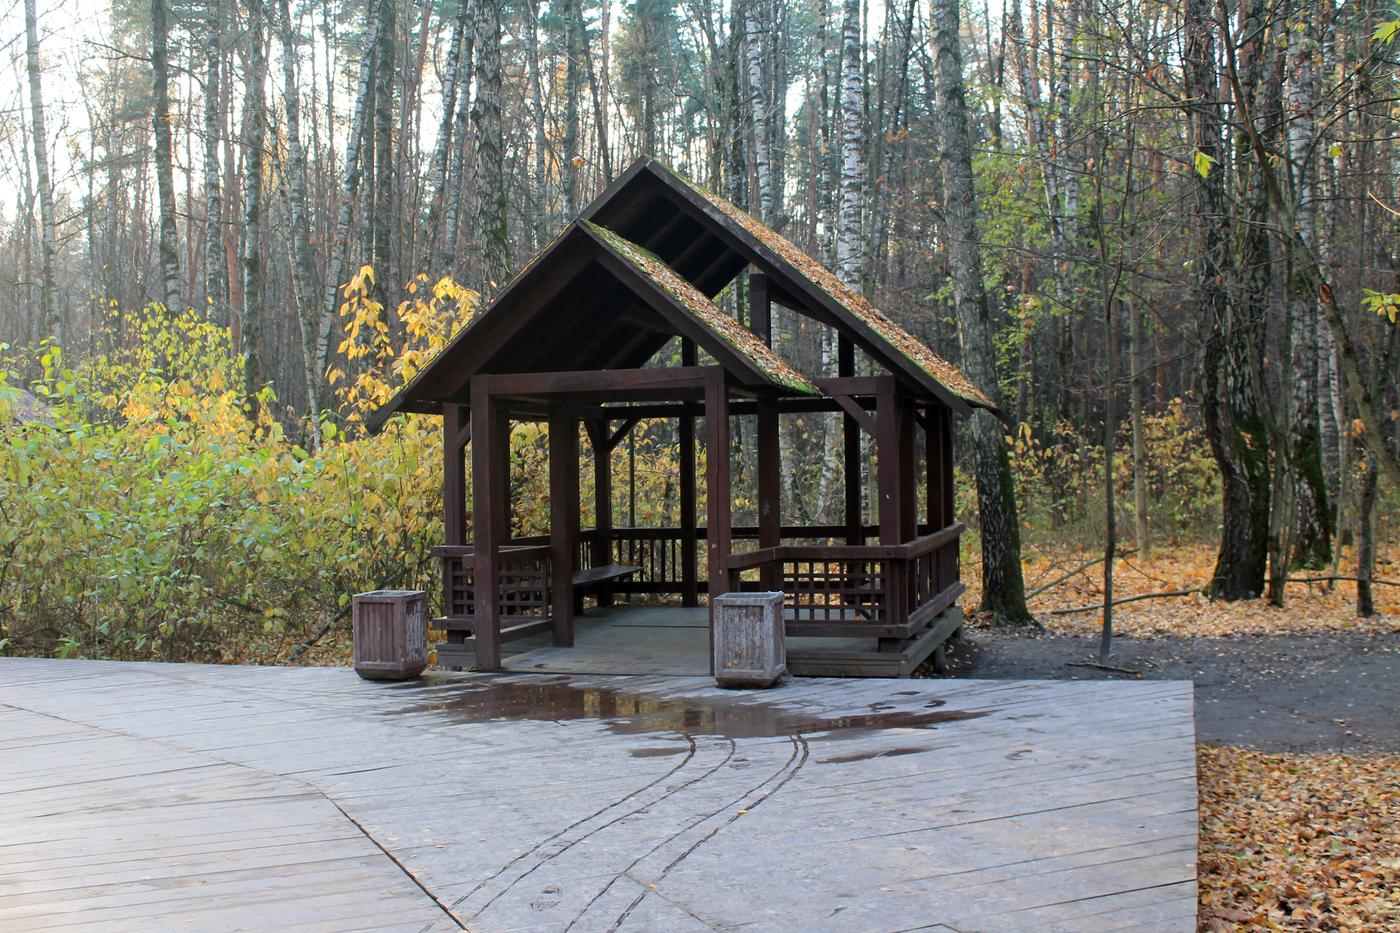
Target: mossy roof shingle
point(735, 335)
point(852, 301)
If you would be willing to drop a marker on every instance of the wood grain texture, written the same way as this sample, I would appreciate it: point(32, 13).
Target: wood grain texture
point(167, 796)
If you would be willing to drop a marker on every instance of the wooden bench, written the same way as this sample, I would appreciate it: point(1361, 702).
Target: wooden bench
point(596, 580)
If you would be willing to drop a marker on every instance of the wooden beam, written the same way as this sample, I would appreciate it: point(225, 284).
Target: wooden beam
point(563, 524)
point(853, 410)
point(717, 491)
point(489, 525)
point(621, 433)
point(605, 381)
point(690, 588)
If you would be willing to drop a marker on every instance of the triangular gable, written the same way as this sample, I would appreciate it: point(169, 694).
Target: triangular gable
point(631, 205)
point(594, 301)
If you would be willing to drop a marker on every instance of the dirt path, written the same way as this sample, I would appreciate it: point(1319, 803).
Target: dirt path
point(1278, 693)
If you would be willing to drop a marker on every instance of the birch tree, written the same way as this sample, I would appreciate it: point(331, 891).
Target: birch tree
point(168, 250)
point(254, 125)
point(50, 322)
point(849, 261)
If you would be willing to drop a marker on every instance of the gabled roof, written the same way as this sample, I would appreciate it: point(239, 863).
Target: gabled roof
point(591, 300)
point(709, 240)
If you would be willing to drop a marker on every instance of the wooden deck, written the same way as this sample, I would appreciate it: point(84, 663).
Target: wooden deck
point(149, 796)
point(640, 639)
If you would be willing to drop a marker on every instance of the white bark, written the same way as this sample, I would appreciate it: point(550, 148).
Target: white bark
point(849, 259)
point(350, 187)
point(49, 321)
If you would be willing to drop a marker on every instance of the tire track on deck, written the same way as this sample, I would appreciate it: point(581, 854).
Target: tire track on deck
point(782, 775)
point(549, 857)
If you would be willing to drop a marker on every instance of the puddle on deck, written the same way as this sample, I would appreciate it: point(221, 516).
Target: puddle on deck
point(627, 713)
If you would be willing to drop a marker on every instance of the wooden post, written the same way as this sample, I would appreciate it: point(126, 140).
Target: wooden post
point(850, 454)
point(718, 517)
point(489, 522)
point(938, 454)
point(563, 522)
point(894, 463)
point(454, 475)
point(602, 502)
point(895, 467)
point(760, 307)
point(690, 588)
point(945, 451)
point(769, 487)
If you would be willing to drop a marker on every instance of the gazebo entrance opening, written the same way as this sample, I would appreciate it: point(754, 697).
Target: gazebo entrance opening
point(574, 342)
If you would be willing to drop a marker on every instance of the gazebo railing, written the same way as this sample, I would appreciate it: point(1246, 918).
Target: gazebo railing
point(523, 591)
point(659, 552)
point(886, 591)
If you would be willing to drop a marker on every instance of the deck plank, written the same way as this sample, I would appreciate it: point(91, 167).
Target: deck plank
point(186, 796)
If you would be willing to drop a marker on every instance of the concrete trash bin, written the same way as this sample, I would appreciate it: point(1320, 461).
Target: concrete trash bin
point(748, 636)
point(391, 634)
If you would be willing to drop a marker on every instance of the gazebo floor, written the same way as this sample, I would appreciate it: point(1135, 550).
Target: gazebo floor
point(193, 797)
point(639, 639)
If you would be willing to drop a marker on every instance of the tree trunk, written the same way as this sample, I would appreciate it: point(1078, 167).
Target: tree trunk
point(254, 121)
point(304, 288)
point(1003, 590)
point(457, 159)
point(537, 182)
point(1140, 525)
point(758, 112)
point(164, 155)
point(572, 89)
point(849, 267)
point(1366, 541)
point(1312, 515)
point(490, 152)
point(49, 321)
point(382, 215)
point(350, 188)
point(215, 265)
point(454, 83)
point(1229, 405)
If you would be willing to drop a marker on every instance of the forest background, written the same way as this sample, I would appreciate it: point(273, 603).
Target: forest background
point(229, 231)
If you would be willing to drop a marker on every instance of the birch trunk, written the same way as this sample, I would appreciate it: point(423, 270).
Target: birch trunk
point(49, 321)
point(457, 160)
point(454, 83)
point(165, 176)
point(304, 289)
point(1003, 590)
point(254, 121)
point(758, 112)
point(572, 86)
point(215, 266)
point(537, 183)
point(349, 190)
point(1312, 517)
point(849, 266)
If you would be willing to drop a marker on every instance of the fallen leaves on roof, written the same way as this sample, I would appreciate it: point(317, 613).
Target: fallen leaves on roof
point(948, 375)
point(1298, 842)
point(739, 338)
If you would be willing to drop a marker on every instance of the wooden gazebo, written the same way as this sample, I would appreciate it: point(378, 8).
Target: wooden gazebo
point(574, 339)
